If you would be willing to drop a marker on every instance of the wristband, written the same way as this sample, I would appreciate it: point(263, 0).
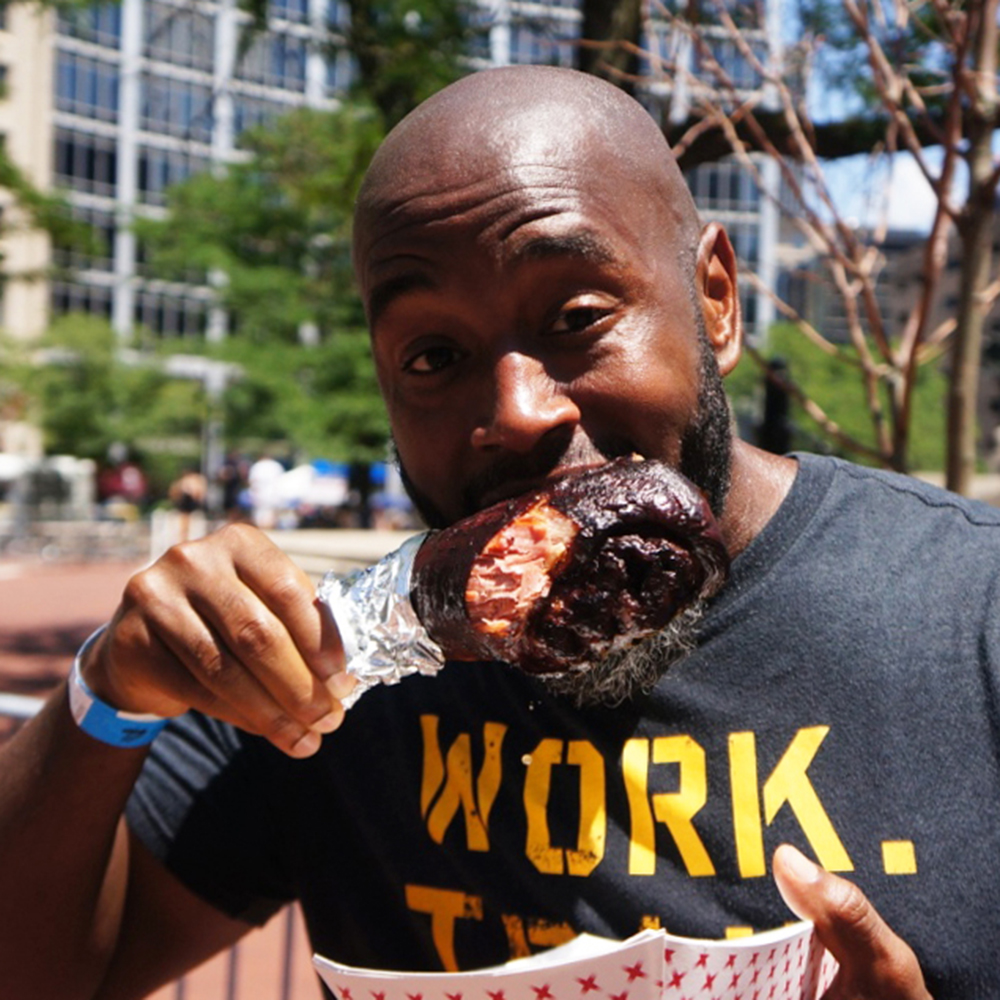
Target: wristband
point(100, 720)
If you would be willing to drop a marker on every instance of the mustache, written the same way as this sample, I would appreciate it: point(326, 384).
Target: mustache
point(512, 474)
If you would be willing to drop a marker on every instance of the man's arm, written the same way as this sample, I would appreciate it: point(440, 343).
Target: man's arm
point(227, 625)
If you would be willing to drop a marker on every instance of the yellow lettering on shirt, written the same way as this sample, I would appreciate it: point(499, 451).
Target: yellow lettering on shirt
point(593, 832)
point(675, 810)
point(447, 782)
point(899, 857)
point(789, 784)
point(593, 823)
point(444, 906)
point(549, 933)
point(747, 825)
point(517, 939)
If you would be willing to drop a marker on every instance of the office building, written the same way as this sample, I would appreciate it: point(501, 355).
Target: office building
point(114, 103)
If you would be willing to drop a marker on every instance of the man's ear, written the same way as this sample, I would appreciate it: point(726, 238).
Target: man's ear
point(715, 280)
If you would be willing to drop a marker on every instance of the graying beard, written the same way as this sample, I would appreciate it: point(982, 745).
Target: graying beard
point(625, 673)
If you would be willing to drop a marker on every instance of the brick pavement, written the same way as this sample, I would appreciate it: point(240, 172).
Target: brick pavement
point(46, 611)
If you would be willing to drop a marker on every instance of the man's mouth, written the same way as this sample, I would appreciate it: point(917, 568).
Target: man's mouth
point(515, 475)
point(519, 487)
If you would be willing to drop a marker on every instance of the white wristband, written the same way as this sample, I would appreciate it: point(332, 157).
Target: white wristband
point(100, 720)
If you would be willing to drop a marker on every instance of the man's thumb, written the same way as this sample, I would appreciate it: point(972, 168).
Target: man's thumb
point(873, 960)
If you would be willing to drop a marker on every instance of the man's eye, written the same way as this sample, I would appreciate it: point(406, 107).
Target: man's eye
point(430, 360)
point(578, 319)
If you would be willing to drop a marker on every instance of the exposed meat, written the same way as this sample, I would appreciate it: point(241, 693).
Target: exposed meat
point(564, 575)
point(516, 568)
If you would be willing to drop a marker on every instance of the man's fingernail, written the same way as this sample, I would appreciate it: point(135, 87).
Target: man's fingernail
point(341, 684)
point(328, 723)
point(307, 744)
point(799, 865)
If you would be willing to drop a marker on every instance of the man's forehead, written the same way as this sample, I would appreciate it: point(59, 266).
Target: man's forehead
point(473, 171)
point(480, 150)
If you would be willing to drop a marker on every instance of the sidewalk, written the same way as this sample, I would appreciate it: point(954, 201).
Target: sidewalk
point(47, 609)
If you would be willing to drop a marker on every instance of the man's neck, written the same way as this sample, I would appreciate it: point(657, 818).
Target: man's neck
point(760, 482)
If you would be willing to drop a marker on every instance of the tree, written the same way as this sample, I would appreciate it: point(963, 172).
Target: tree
point(828, 383)
point(277, 227)
point(406, 50)
point(923, 73)
point(88, 395)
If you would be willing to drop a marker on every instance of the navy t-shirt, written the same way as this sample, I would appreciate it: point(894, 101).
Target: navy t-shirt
point(842, 697)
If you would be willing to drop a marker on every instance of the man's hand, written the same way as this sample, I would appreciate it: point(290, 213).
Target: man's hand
point(227, 625)
point(874, 963)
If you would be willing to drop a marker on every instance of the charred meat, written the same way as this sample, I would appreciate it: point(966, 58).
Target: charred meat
point(560, 577)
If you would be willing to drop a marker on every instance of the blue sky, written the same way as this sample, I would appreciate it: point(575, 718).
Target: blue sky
point(859, 190)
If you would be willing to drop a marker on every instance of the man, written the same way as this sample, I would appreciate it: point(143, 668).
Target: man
point(541, 296)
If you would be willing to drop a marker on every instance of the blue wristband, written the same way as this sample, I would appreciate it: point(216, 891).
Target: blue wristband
point(100, 720)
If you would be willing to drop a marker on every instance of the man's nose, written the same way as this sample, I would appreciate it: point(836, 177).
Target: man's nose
point(527, 403)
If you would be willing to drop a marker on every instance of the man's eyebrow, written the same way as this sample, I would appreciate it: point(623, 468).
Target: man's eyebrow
point(384, 293)
point(583, 245)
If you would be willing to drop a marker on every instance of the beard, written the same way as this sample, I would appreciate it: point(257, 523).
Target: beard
point(707, 445)
point(626, 673)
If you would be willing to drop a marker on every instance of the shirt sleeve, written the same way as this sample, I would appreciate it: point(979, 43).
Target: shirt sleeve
point(203, 806)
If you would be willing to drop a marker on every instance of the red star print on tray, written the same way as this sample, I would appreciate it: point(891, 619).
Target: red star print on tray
point(786, 964)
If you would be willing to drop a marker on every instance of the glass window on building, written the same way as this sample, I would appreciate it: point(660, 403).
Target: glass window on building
point(724, 186)
point(86, 87)
point(544, 42)
point(252, 112)
point(660, 45)
point(748, 309)
point(101, 24)
point(170, 315)
point(160, 169)
point(85, 162)
point(289, 10)
point(736, 68)
point(96, 251)
point(176, 107)
point(745, 238)
point(181, 36)
point(277, 60)
point(74, 296)
point(340, 73)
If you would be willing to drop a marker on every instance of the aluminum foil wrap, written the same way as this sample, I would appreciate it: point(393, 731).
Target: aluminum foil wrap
point(382, 635)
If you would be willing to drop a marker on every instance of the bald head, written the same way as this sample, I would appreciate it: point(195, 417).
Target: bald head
point(526, 124)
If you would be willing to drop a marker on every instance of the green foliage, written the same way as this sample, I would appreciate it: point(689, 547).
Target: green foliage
point(277, 226)
point(406, 50)
point(322, 400)
point(86, 394)
point(837, 387)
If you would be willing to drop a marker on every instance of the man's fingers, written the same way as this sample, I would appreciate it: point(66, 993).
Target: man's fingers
point(874, 961)
point(229, 626)
point(290, 595)
point(192, 665)
point(279, 700)
point(238, 638)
